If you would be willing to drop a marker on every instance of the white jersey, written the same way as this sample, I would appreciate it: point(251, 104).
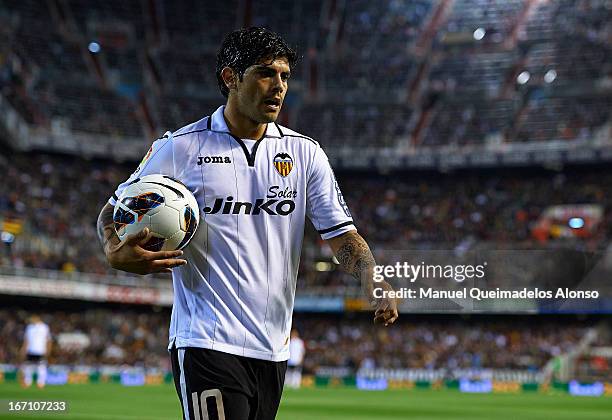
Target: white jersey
point(296, 352)
point(237, 291)
point(37, 335)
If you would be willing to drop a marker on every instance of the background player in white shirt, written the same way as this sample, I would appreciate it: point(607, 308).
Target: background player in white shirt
point(36, 346)
point(297, 351)
point(233, 302)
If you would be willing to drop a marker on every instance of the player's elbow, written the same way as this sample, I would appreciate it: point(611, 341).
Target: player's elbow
point(106, 214)
point(104, 219)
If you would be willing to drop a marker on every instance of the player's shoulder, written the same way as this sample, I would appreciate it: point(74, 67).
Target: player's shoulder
point(188, 131)
point(287, 133)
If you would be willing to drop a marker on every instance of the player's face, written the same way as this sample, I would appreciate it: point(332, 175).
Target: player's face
point(262, 90)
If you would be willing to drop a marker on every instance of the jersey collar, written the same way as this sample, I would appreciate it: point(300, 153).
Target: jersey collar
point(217, 123)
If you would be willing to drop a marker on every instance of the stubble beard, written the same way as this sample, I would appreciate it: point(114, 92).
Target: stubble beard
point(252, 112)
point(262, 117)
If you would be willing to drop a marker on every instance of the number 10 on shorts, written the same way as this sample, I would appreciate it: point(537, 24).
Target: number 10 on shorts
point(200, 405)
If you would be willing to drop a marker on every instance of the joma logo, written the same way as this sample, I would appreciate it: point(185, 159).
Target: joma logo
point(213, 159)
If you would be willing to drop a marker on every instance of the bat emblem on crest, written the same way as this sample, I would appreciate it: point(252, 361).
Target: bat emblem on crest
point(283, 163)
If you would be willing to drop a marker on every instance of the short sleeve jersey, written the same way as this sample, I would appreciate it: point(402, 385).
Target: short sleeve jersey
point(237, 291)
point(37, 335)
point(296, 350)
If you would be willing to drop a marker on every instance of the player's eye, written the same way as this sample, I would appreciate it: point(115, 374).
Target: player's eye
point(267, 73)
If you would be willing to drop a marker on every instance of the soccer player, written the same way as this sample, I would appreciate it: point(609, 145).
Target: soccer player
point(255, 182)
point(296, 359)
point(36, 345)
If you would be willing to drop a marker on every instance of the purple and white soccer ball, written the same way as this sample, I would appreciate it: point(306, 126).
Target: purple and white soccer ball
point(162, 204)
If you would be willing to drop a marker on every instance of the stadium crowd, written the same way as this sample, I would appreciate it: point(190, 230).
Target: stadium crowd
point(101, 336)
point(93, 337)
point(342, 92)
point(435, 344)
point(371, 73)
point(50, 205)
point(54, 201)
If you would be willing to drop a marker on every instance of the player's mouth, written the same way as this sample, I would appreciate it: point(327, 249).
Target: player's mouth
point(272, 104)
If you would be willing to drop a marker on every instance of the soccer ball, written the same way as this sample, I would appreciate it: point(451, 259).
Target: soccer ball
point(162, 204)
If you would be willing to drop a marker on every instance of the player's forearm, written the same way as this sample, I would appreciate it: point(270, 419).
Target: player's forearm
point(106, 230)
point(355, 257)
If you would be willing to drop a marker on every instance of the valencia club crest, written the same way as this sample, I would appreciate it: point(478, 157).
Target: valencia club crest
point(283, 163)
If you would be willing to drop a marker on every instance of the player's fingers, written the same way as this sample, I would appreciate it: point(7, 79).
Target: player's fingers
point(393, 318)
point(168, 263)
point(163, 270)
point(135, 238)
point(146, 238)
point(384, 314)
point(379, 319)
point(384, 317)
point(383, 306)
point(163, 255)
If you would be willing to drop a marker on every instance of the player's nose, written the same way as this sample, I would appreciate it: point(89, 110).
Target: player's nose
point(278, 84)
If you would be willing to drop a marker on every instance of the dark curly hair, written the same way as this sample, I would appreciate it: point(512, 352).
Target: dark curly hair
point(245, 47)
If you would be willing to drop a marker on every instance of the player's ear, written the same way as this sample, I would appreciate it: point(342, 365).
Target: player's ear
point(229, 77)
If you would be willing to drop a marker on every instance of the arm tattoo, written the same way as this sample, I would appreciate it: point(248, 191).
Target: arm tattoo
point(356, 258)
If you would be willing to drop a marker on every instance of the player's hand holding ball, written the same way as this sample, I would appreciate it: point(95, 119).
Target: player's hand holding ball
point(131, 256)
point(154, 218)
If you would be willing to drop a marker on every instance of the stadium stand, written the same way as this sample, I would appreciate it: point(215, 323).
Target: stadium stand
point(373, 35)
point(58, 81)
point(373, 76)
point(548, 118)
point(94, 337)
point(434, 344)
point(54, 197)
point(102, 336)
point(53, 205)
point(154, 70)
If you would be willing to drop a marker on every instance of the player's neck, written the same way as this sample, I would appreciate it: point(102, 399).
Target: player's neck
point(240, 125)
